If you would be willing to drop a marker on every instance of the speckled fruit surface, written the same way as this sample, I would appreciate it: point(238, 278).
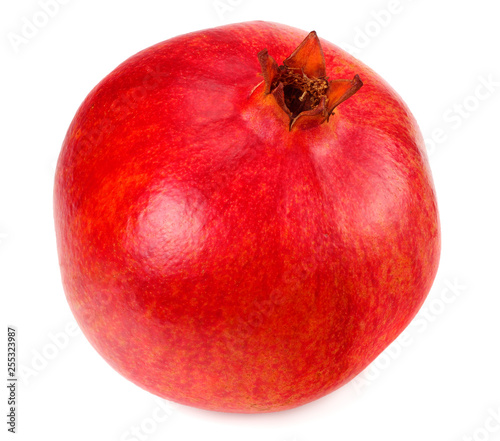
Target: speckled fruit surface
point(221, 253)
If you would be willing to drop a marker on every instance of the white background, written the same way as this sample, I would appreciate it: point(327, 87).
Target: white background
point(439, 381)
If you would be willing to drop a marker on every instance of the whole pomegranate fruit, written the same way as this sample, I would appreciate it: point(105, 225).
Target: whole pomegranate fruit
point(231, 239)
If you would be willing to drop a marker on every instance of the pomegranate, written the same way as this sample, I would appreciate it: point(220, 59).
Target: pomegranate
point(245, 218)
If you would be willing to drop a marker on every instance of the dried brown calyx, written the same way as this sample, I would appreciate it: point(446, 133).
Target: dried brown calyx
point(301, 87)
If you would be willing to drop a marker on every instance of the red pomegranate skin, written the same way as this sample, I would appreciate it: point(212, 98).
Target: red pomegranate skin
point(216, 258)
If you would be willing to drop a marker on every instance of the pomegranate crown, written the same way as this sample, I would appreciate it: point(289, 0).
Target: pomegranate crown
point(300, 85)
